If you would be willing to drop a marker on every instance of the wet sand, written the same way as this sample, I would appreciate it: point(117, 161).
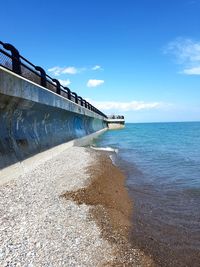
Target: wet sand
point(111, 208)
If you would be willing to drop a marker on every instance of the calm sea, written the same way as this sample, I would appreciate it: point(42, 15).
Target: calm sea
point(162, 165)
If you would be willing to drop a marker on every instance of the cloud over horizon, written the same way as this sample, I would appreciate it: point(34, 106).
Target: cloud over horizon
point(187, 54)
point(94, 82)
point(126, 106)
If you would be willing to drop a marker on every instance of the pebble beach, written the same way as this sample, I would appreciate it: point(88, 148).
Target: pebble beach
point(46, 222)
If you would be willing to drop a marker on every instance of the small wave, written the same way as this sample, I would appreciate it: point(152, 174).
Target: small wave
point(108, 149)
point(113, 159)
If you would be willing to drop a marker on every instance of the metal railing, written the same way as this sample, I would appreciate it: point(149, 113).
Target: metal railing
point(11, 59)
point(114, 117)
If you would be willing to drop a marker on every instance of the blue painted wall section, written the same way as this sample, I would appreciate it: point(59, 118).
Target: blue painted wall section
point(38, 119)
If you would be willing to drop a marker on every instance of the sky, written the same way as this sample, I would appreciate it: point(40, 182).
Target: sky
point(137, 58)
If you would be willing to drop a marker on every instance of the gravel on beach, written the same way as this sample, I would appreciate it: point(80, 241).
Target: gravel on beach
point(38, 227)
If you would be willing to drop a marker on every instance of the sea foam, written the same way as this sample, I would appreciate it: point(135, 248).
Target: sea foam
point(108, 149)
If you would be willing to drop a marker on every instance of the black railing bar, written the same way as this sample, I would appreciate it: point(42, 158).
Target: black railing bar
point(73, 94)
point(48, 77)
point(5, 52)
point(81, 100)
point(21, 57)
point(49, 80)
point(21, 64)
point(61, 86)
point(10, 56)
point(89, 106)
point(24, 65)
point(69, 95)
point(51, 83)
point(34, 71)
point(27, 67)
point(85, 103)
point(27, 61)
point(65, 91)
point(75, 97)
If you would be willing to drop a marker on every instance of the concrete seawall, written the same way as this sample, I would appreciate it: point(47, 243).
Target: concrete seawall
point(34, 119)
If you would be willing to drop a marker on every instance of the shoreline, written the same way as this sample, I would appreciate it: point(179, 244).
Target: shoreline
point(111, 209)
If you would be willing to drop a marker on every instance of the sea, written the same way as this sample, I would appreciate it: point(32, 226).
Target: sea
point(161, 162)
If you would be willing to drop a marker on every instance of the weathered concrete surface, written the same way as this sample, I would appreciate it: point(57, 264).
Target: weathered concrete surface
point(33, 119)
point(115, 126)
point(116, 123)
point(14, 171)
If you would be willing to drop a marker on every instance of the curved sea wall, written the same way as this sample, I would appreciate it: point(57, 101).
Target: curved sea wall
point(34, 119)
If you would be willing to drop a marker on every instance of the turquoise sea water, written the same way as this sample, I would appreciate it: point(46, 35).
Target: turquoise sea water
point(162, 165)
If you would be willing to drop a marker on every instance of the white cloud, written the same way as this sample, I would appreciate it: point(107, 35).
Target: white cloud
point(192, 71)
point(56, 70)
point(126, 106)
point(94, 82)
point(65, 70)
point(97, 67)
point(64, 82)
point(70, 70)
point(187, 53)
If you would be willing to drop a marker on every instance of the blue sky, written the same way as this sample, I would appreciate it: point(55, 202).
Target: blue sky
point(140, 58)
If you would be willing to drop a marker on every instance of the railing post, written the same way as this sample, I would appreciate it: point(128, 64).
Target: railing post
point(43, 81)
point(85, 103)
point(16, 67)
point(68, 92)
point(76, 97)
point(57, 86)
point(81, 100)
point(16, 63)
